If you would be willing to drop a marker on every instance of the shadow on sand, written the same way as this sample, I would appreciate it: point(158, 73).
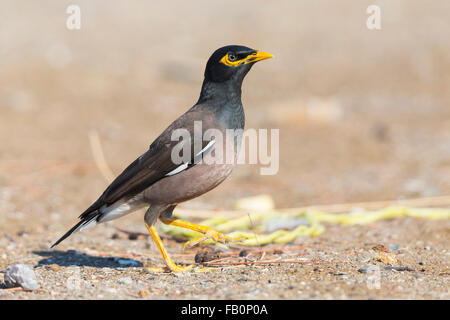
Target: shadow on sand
point(76, 258)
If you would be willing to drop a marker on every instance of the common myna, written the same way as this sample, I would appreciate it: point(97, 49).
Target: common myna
point(157, 181)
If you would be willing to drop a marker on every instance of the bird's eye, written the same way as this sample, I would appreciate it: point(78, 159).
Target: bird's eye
point(231, 57)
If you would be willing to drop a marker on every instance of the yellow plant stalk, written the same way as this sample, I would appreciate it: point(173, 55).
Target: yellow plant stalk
point(257, 223)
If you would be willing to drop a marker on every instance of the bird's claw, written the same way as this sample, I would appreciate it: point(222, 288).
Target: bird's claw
point(213, 235)
point(178, 269)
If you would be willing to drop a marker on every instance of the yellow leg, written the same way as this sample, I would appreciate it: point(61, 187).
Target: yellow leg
point(207, 231)
point(168, 260)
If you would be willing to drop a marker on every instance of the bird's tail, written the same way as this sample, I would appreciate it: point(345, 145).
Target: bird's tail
point(86, 222)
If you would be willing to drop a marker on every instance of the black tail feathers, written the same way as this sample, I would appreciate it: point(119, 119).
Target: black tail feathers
point(75, 228)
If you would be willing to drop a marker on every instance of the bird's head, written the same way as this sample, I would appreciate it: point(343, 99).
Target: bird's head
point(232, 62)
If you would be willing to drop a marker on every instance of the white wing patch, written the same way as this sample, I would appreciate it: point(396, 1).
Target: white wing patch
point(121, 208)
point(178, 169)
point(197, 157)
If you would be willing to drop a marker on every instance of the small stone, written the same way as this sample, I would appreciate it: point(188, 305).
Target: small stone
point(363, 270)
point(398, 268)
point(54, 267)
point(387, 257)
point(394, 247)
point(127, 262)
point(133, 236)
point(143, 293)
point(243, 253)
point(380, 248)
point(126, 280)
point(367, 269)
point(179, 275)
point(205, 256)
point(115, 236)
point(21, 275)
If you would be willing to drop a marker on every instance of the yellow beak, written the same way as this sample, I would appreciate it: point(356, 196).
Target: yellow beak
point(258, 56)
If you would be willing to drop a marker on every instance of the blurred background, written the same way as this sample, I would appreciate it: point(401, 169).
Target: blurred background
point(363, 114)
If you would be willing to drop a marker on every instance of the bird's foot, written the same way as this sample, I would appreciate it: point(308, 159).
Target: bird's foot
point(210, 234)
point(177, 269)
point(167, 259)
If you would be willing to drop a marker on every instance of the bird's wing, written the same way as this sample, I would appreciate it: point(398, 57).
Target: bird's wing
point(156, 163)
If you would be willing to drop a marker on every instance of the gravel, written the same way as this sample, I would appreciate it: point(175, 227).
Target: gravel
point(126, 280)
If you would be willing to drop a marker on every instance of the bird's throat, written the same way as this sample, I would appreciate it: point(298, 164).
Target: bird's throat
point(228, 92)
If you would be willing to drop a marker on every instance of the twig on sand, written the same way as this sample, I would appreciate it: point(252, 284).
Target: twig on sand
point(278, 250)
point(99, 156)
point(215, 262)
point(132, 232)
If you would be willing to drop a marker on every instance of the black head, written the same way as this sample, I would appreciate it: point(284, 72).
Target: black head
point(232, 62)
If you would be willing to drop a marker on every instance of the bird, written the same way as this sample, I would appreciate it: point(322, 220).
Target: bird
point(175, 170)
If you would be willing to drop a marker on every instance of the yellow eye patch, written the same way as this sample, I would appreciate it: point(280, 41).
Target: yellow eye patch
point(255, 56)
point(226, 60)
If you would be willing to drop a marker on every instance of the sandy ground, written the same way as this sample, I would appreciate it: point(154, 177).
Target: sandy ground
point(344, 263)
point(363, 115)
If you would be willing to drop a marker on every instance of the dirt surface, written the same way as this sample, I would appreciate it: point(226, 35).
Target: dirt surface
point(343, 263)
point(363, 115)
